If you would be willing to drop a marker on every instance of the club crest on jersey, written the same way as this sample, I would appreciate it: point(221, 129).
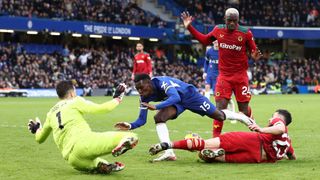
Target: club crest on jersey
point(240, 38)
point(221, 35)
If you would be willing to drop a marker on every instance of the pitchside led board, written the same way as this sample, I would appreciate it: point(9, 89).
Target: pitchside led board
point(82, 27)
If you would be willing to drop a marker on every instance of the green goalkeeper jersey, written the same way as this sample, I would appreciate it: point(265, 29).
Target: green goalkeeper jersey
point(66, 121)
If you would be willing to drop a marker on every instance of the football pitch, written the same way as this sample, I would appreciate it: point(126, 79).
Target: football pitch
point(22, 158)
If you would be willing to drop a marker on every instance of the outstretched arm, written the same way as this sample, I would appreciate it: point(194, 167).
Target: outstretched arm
point(173, 98)
point(142, 119)
point(278, 128)
point(86, 106)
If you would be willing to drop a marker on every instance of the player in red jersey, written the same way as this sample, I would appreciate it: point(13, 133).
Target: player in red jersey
point(267, 144)
point(142, 62)
point(234, 41)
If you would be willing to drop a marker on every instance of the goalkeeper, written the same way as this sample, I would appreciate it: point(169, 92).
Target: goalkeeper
point(80, 146)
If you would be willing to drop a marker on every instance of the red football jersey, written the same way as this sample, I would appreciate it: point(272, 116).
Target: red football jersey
point(233, 46)
point(142, 63)
point(276, 146)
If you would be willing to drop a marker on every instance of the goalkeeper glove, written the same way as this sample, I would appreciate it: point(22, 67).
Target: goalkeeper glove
point(33, 126)
point(119, 93)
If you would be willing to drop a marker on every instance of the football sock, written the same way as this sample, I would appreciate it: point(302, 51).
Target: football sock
point(189, 144)
point(217, 128)
point(207, 94)
point(163, 134)
point(237, 116)
point(231, 105)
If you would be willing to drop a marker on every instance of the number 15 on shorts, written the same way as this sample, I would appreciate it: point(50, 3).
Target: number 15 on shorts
point(205, 106)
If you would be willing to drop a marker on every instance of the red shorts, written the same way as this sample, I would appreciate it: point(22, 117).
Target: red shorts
point(238, 83)
point(241, 147)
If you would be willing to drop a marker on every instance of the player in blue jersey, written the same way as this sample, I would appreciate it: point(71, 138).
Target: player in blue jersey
point(175, 96)
point(211, 71)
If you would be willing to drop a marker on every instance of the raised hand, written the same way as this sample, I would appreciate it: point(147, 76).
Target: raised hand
point(119, 93)
point(186, 18)
point(34, 125)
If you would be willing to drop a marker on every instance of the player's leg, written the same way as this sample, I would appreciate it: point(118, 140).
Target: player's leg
point(212, 151)
point(212, 155)
point(208, 87)
point(223, 93)
point(93, 145)
point(103, 167)
point(231, 107)
point(186, 144)
point(190, 144)
point(162, 130)
point(202, 106)
point(245, 109)
point(207, 91)
point(243, 96)
point(241, 147)
point(97, 165)
point(99, 144)
point(218, 124)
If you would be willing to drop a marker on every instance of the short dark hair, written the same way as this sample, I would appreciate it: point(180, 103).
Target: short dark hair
point(142, 76)
point(140, 42)
point(286, 114)
point(63, 87)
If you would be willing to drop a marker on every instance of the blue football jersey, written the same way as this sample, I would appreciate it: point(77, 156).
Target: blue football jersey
point(174, 92)
point(167, 87)
point(211, 62)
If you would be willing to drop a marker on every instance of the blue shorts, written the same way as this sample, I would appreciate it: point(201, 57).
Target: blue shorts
point(211, 80)
point(196, 103)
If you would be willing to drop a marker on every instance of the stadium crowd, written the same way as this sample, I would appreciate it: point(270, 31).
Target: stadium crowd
point(115, 11)
point(284, 13)
point(284, 74)
point(107, 67)
point(97, 68)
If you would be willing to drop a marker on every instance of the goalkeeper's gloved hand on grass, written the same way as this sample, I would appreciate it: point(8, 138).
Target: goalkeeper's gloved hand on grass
point(120, 90)
point(33, 126)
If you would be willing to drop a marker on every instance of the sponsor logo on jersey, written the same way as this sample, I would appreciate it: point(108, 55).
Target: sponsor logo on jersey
point(240, 38)
point(140, 61)
point(232, 47)
point(221, 35)
point(213, 61)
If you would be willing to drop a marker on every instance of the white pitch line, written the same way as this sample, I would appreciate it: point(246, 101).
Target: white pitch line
point(12, 126)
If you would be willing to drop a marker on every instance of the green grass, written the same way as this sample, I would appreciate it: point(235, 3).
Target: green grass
point(22, 158)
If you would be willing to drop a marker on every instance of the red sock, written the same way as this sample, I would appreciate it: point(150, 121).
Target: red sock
point(217, 128)
point(189, 144)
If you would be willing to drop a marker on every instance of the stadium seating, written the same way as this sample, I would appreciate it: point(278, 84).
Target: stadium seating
point(118, 12)
point(257, 13)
